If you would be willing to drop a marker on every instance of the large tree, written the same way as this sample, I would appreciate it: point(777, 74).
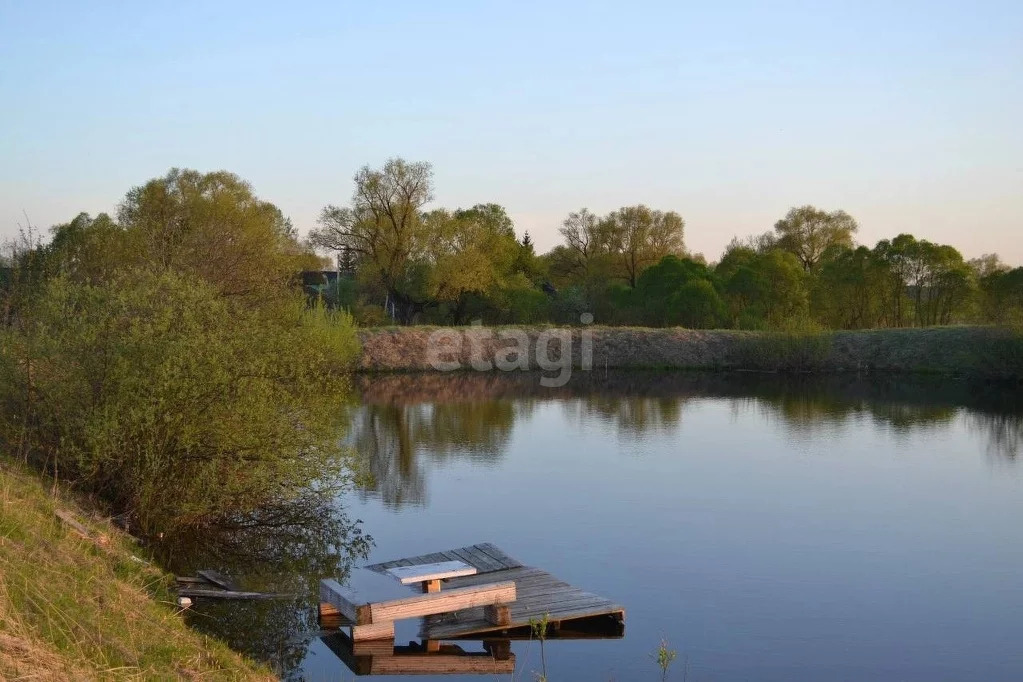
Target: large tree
point(472, 253)
point(930, 282)
point(585, 243)
point(637, 237)
point(849, 289)
point(808, 232)
point(384, 225)
point(763, 289)
point(213, 227)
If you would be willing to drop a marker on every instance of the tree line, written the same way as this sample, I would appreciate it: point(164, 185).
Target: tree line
point(408, 264)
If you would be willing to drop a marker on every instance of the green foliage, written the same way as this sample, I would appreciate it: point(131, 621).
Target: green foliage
point(697, 305)
point(636, 237)
point(763, 290)
point(1001, 296)
point(808, 232)
point(924, 283)
point(628, 267)
point(173, 401)
point(665, 656)
point(211, 227)
point(384, 226)
point(849, 289)
point(678, 291)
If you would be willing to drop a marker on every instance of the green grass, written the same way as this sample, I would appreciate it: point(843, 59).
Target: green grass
point(795, 351)
point(81, 609)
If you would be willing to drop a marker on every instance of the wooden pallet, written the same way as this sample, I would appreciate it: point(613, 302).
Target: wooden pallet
point(538, 594)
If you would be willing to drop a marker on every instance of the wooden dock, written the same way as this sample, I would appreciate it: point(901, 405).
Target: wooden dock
point(538, 594)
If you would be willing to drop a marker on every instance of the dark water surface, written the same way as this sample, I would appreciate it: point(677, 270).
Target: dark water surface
point(842, 528)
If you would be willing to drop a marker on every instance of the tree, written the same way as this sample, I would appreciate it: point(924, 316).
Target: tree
point(87, 249)
point(895, 257)
point(675, 291)
point(212, 227)
point(763, 289)
point(638, 237)
point(472, 252)
point(1001, 296)
point(808, 232)
point(384, 225)
point(930, 282)
point(986, 265)
point(849, 289)
point(585, 242)
point(697, 305)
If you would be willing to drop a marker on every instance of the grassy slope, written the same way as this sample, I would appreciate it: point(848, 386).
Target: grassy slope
point(74, 609)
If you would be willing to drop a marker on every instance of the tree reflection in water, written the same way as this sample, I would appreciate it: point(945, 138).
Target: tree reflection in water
point(392, 439)
point(284, 549)
point(409, 421)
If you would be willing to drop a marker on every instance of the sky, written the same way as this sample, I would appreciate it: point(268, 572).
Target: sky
point(904, 114)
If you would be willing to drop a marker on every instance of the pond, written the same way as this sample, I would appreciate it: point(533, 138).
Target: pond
point(768, 528)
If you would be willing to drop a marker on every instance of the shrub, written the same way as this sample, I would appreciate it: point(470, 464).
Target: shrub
point(172, 401)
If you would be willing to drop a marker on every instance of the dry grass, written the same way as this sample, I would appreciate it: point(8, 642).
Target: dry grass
point(77, 609)
point(972, 351)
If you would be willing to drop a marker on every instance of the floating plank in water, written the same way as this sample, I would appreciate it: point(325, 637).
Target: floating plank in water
point(229, 594)
point(218, 579)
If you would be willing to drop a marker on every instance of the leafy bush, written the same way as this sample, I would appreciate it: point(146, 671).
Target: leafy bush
point(172, 401)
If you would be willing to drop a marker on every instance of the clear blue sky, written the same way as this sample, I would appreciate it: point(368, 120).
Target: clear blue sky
point(905, 114)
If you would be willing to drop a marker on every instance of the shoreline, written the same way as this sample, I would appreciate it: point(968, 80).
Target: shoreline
point(988, 352)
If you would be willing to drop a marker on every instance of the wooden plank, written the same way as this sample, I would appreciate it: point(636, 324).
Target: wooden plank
point(416, 573)
point(442, 602)
point(524, 573)
point(185, 580)
point(229, 594)
point(479, 559)
point(483, 557)
point(373, 631)
point(493, 551)
point(218, 579)
point(69, 518)
point(332, 592)
point(475, 621)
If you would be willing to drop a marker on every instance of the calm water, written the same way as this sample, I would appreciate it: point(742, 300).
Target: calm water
point(768, 528)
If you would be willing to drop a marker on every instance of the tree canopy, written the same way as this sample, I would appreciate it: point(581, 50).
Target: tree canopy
point(808, 232)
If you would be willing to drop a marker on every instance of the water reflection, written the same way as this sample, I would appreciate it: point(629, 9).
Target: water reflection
point(395, 439)
point(284, 549)
point(409, 423)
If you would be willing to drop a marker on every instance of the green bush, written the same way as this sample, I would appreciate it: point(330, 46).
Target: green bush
point(172, 401)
